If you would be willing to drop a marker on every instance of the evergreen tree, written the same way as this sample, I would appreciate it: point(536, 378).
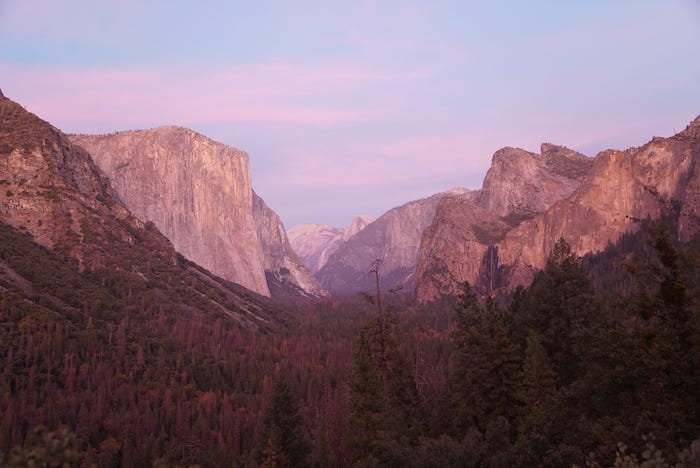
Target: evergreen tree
point(284, 439)
point(485, 377)
point(366, 401)
point(539, 379)
point(504, 371)
point(384, 397)
point(469, 372)
point(560, 306)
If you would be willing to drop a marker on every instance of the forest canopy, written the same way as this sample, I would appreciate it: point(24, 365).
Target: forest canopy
point(596, 352)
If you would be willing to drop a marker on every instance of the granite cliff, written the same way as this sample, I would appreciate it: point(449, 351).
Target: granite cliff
point(393, 238)
point(314, 243)
point(461, 243)
point(199, 194)
point(284, 270)
point(522, 184)
point(588, 202)
point(56, 196)
point(658, 179)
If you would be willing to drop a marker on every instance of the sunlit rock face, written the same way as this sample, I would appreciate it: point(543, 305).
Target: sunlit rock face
point(621, 189)
point(559, 193)
point(314, 243)
point(392, 238)
point(198, 193)
point(56, 196)
point(521, 183)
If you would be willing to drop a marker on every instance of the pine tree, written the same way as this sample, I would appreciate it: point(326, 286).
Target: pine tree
point(560, 305)
point(539, 379)
point(284, 426)
point(367, 400)
point(504, 371)
point(469, 372)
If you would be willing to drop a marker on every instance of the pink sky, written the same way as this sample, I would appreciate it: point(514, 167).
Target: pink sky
point(357, 107)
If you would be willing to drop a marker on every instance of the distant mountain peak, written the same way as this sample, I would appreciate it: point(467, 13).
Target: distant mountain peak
point(358, 223)
point(514, 183)
point(315, 243)
point(458, 191)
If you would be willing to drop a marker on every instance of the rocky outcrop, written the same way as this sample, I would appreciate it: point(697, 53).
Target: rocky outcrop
point(314, 243)
point(622, 188)
point(357, 224)
point(53, 193)
point(459, 230)
point(520, 183)
point(198, 193)
point(587, 202)
point(280, 262)
point(393, 238)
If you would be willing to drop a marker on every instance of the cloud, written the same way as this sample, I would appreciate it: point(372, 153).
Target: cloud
point(377, 161)
point(132, 96)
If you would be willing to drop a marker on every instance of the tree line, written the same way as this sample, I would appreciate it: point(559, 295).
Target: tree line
point(596, 352)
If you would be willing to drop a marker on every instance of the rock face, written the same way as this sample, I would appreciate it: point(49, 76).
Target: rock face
point(281, 263)
point(521, 183)
point(622, 188)
point(587, 202)
point(198, 193)
point(393, 238)
point(314, 243)
point(459, 230)
point(55, 194)
point(51, 189)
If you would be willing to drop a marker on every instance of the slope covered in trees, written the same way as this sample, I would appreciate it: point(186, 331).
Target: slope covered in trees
point(596, 351)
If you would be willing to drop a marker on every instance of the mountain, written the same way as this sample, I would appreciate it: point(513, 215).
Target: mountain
point(199, 194)
point(521, 184)
point(393, 238)
point(588, 202)
point(285, 273)
point(314, 243)
point(658, 179)
point(73, 249)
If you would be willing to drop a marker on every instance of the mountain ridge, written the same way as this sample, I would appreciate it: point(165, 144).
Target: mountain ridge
point(314, 243)
point(619, 189)
point(200, 195)
point(54, 196)
point(393, 238)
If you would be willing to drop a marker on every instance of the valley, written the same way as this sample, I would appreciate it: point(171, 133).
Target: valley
point(155, 311)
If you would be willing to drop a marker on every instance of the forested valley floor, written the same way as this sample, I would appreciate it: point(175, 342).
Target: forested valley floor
point(596, 363)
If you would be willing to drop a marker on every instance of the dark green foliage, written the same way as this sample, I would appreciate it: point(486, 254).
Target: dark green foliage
point(383, 398)
point(469, 375)
point(145, 367)
point(485, 377)
point(285, 442)
point(366, 400)
point(539, 379)
point(560, 306)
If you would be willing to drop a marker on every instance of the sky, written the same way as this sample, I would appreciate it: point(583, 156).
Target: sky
point(354, 107)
